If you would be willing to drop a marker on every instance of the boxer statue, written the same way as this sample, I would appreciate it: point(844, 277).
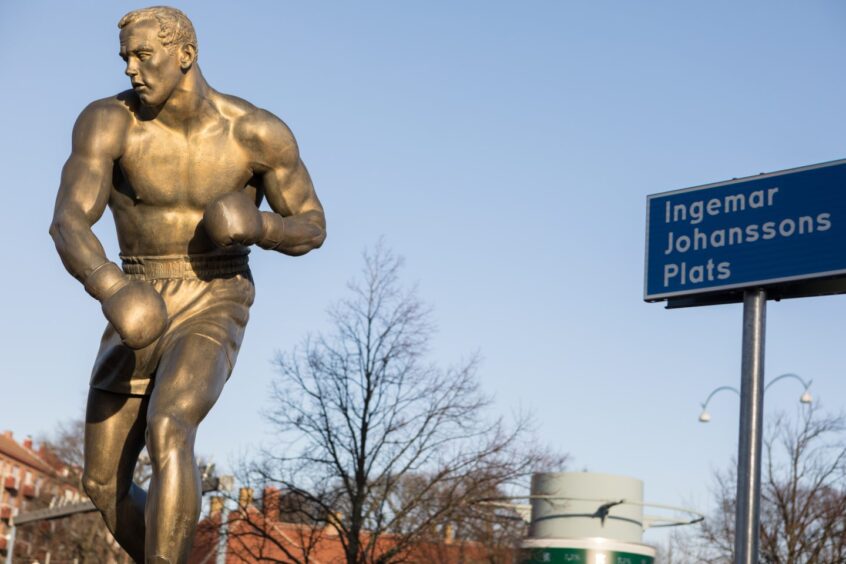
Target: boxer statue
point(183, 169)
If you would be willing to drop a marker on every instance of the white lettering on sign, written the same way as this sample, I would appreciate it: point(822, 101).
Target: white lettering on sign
point(694, 274)
point(701, 240)
point(733, 203)
point(683, 271)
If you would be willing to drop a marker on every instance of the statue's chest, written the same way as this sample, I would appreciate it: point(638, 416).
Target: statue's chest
point(160, 167)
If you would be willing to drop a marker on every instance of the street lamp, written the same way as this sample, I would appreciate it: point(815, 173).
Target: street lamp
point(805, 398)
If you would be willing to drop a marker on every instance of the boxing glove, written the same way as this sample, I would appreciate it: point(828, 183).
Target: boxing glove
point(233, 219)
point(133, 307)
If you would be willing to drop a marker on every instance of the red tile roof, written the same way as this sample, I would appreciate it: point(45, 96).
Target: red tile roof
point(11, 448)
point(252, 538)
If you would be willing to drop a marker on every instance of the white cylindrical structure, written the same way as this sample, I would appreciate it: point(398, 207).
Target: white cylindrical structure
point(588, 518)
point(576, 505)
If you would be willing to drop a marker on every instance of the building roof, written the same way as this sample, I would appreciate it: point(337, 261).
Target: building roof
point(11, 448)
point(251, 537)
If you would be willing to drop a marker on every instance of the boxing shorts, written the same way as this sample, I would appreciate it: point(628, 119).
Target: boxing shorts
point(208, 295)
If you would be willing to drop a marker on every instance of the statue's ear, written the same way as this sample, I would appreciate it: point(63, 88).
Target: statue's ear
point(187, 56)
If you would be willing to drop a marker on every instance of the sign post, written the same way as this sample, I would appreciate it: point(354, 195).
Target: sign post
point(751, 428)
point(771, 236)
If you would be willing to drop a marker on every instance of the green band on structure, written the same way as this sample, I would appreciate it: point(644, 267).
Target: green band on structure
point(550, 555)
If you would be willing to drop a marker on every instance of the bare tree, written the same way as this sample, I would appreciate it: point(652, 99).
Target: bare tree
point(805, 494)
point(383, 448)
point(803, 498)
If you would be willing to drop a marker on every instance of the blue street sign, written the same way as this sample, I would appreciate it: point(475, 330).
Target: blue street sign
point(762, 230)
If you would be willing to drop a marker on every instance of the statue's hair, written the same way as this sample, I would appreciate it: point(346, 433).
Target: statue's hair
point(175, 29)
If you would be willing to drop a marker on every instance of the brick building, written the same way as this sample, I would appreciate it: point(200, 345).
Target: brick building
point(266, 532)
point(27, 476)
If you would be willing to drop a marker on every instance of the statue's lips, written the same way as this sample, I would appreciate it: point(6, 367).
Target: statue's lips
point(138, 86)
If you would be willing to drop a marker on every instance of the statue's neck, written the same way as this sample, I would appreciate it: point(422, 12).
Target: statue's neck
point(189, 102)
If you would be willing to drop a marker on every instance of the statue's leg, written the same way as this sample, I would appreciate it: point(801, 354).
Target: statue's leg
point(189, 380)
point(114, 437)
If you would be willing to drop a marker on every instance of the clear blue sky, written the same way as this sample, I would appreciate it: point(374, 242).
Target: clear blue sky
point(506, 150)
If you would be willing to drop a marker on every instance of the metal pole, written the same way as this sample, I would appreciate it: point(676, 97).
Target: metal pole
point(751, 424)
point(223, 533)
point(10, 545)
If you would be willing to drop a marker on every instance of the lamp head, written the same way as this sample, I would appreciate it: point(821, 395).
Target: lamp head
point(704, 417)
point(806, 397)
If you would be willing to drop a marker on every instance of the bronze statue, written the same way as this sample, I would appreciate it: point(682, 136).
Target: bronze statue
point(183, 169)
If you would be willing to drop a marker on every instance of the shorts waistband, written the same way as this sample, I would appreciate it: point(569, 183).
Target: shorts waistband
point(187, 267)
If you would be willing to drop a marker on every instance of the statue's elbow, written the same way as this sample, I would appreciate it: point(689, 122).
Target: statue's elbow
point(315, 241)
point(57, 227)
point(63, 230)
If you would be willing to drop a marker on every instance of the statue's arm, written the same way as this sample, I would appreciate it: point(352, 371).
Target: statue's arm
point(134, 308)
point(84, 189)
point(297, 223)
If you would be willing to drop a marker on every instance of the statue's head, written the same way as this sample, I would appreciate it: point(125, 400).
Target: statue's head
point(159, 46)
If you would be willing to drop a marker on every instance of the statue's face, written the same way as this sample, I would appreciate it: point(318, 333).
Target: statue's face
point(152, 68)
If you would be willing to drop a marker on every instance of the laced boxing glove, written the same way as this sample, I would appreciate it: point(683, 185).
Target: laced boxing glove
point(133, 307)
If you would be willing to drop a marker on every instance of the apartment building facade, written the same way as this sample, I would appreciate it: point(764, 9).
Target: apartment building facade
point(27, 478)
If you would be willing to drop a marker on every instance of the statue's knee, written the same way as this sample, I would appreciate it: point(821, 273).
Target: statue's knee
point(167, 433)
point(101, 493)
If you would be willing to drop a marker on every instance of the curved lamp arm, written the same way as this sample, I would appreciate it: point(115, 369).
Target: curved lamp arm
point(806, 395)
point(704, 417)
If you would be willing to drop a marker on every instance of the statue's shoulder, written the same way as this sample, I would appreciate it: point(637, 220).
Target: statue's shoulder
point(253, 124)
point(233, 107)
point(245, 113)
point(110, 112)
point(103, 123)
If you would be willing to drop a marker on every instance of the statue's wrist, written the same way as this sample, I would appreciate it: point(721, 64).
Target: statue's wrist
point(272, 228)
point(104, 281)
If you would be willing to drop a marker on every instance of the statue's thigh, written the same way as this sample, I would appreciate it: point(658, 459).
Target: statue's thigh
point(189, 379)
point(114, 436)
